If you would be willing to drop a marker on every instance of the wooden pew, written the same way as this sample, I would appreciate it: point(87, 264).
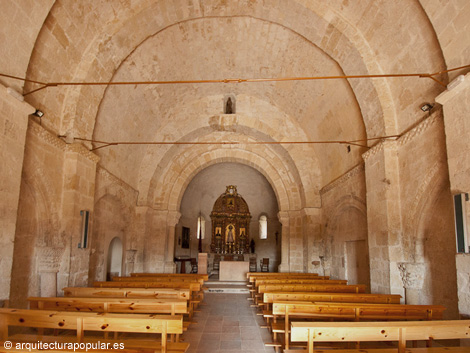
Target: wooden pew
point(194, 287)
point(269, 274)
point(142, 293)
point(111, 305)
point(81, 322)
point(333, 288)
point(205, 277)
point(158, 279)
point(252, 278)
point(352, 312)
point(400, 332)
point(258, 282)
point(270, 297)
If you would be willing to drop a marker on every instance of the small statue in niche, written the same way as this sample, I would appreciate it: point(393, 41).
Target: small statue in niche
point(228, 106)
point(252, 246)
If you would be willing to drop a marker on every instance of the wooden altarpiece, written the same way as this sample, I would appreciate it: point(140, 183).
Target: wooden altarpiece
point(230, 224)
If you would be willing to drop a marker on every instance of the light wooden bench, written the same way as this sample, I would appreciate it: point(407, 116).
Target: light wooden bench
point(270, 297)
point(156, 293)
point(205, 277)
point(349, 311)
point(81, 322)
point(268, 274)
point(194, 287)
point(111, 305)
point(158, 279)
point(333, 288)
point(260, 282)
point(400, 332)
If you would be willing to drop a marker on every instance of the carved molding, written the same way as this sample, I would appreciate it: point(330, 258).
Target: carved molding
point(49, 259)
point(422, 127)
point(130, 256)
point(82, 150)
point(412, 274)
point(173, 218)
point(360, 168)
point(46, 136)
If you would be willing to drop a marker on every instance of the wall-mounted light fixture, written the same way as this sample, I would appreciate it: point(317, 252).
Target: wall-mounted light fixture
point(38, 113)
point(426, 107)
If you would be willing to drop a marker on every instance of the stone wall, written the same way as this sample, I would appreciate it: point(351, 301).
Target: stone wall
point(13, 125)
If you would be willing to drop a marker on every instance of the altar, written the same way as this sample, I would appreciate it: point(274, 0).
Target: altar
point(233, 270)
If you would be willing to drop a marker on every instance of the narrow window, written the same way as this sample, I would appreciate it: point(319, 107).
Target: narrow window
point(263, 227)
point(460, 223)
point(201, 227)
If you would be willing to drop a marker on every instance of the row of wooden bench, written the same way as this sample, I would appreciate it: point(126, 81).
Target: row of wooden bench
point(282, 298)
point(132, 310)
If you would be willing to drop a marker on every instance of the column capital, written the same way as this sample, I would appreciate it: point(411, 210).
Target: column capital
point(283, 217)
point(454, 88)
point(173, 218)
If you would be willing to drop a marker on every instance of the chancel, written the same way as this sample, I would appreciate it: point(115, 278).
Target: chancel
point(151, 145)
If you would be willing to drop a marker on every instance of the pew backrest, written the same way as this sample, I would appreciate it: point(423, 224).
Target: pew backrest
point(335, 288)
point(158, 279)
point(111, 305)
point(270, 297)
point(193, 286)
point(314, 332)
point(158, 293)
point(205, 277)
point(259, 282)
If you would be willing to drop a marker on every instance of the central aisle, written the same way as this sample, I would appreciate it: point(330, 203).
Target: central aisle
point(226, 323)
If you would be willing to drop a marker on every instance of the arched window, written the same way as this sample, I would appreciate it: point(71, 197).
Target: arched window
point(201, 227)
point(263, 227)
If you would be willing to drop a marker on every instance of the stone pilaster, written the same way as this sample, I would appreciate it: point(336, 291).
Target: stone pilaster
point(79, 175)
point(311, 230)
point(13, 124)
point(172, 221)
point(412, 276)
point(383, 217)
point(285, 248)
point(456, 105)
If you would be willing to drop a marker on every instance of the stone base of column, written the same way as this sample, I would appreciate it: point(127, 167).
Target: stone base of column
point(283, 268)
point(48, 286)
point(170, 267)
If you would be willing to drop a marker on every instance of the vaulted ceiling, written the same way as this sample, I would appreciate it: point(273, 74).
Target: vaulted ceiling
point(181, 40)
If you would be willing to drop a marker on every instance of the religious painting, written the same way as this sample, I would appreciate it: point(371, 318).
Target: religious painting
point(218, 231)
point(230, 202)
point(242, 232)
point(185, 238)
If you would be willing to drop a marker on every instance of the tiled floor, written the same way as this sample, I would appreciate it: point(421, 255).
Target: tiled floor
point(227, 324)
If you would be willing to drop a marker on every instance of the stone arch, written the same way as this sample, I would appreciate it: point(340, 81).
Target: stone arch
point(433, 259)
point(287, 193)
point(114, 258)
point(111, 219)
point(345, 238)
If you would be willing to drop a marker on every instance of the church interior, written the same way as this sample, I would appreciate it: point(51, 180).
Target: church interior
point(285, 136)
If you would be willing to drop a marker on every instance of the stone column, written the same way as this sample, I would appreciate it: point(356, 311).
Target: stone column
point(13, 124)
point(456, 105)
point(154, 239)
point(79, 175)
point(384, 217)
point(172, 221)
point(48, 267)
point(285, 248)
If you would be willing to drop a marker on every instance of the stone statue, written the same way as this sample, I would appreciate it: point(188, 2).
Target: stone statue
point(230, 235)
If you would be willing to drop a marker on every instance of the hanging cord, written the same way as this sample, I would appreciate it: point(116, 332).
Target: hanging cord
point(230, 80)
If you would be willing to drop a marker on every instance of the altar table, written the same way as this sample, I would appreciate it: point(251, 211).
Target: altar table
point(233, 270)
